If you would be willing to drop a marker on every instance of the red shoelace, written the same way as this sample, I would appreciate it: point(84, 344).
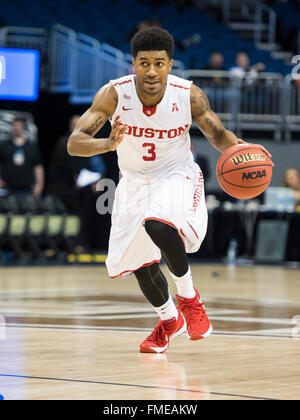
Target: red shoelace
point(159, 333)
point(194, 310)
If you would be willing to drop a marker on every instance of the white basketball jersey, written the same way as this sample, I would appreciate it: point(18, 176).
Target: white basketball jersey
point(156, 140)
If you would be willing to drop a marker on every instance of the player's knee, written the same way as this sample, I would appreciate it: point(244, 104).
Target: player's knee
point(147, 273)
point(158, 230)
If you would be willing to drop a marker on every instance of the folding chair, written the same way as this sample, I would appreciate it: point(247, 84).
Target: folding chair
point(53, 234)
point(51, 204)
point(10, 204)
point(27, 203)
point(36, 227)
point(3, 232)
point(71, 231)
point(16, 234)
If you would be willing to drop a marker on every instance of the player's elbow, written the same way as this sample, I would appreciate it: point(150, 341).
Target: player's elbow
point(71, 147)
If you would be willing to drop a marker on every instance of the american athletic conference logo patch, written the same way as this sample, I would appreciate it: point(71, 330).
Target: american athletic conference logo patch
point(175, 107)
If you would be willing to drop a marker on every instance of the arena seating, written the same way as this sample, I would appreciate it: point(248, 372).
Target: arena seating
point(33, 229)
point(288, 12)
point(88, 18)
point(288, 32)
point(36, 230)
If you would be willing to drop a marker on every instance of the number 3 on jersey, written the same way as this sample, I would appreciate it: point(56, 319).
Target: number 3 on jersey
point(151, 155)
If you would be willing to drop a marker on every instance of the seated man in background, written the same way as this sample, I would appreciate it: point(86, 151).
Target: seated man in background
point(292, 180)
point(215, 62)
point(21, 168)
point(243, 67)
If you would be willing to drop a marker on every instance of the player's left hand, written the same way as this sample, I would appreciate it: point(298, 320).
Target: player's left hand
point(116, 134)
point(240, 141)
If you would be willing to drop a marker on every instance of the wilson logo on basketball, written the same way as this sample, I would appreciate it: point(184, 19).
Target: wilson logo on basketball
point(247, 157)
point(254, 175)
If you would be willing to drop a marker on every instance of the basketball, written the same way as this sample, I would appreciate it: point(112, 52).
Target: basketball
point(244, 171)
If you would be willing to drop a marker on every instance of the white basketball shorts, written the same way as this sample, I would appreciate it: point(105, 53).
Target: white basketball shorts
point(177, 200)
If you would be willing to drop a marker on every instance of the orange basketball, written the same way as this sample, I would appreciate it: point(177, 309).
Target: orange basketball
point(244, 171)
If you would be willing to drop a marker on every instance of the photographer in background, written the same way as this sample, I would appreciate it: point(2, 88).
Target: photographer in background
point(21, 167)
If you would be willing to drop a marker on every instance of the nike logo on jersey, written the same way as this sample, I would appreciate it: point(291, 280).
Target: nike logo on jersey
point(126, 109)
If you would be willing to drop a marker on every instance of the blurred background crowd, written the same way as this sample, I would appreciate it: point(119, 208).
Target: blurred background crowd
point(242, 53)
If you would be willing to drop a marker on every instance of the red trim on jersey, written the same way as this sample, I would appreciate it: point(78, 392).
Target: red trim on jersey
point(149, 110)
point(122, 83)
point(179, 86)
point(163, 221)
point(130, 271)
point(159, 220)
point(193, 229)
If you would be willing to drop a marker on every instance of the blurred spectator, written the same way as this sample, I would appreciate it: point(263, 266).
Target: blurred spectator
point(63, 171)
point(215, 62)
point(21, 166)
point(292, 180)
point(69, 176)
point(243, 68)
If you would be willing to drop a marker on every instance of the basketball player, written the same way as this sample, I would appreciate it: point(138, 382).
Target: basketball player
point(159, 208)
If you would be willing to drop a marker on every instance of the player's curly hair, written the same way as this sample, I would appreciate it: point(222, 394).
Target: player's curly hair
point(152, 39)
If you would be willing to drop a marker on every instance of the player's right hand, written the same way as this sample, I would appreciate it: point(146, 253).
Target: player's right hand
point(240, 141)
point(117, 134)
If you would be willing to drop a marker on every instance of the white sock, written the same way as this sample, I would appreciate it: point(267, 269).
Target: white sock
point(167, 310)
point(185, 285)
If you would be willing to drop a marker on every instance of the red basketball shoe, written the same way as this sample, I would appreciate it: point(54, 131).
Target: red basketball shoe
point(158, 341)
point(198, 324)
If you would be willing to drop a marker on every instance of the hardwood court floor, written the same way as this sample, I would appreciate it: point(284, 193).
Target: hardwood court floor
point(72, 333)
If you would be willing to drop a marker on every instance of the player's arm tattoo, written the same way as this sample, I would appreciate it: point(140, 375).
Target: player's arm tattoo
point(104, 106)
point(95, 126)
point(212, 126)
point(199, 102)
point(204, 117)
point(115, 98)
